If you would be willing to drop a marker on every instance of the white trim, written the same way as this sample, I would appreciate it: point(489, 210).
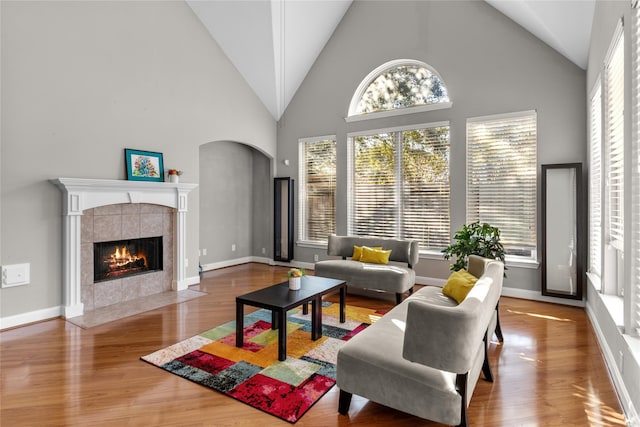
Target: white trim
point(532, 295)
point(235, 261)
point(317, 138)
point(631, 415)
point(503, 116)
point(310, 244)
point(617, 34)
point(399, 128)
point(399, 112)
point(30, 317)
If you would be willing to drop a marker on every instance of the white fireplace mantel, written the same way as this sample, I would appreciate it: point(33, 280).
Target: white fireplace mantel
point(79, 194)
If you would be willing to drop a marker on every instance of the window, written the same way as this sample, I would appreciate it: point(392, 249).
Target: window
point(501, 178)
point(634, 289)
point(595, 182)
point(396, 86)
point(317, 217)
point(613, 107)
point(399, 181)
point(614, 139)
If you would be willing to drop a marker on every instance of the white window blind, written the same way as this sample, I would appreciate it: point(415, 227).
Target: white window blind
point(614, 139)
point(317, 214)
point(595, 182)
point(400, 185)
point(502, 176)
point(634, 296)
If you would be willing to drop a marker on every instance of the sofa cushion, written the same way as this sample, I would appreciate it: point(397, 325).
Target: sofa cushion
point(393, 277)
point(375, 256)
point(357, 252)
point(459, 284)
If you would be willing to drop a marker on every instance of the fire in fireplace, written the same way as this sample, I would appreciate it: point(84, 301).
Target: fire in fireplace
point(122, 258)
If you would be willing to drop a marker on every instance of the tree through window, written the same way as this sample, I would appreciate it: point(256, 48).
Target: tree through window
point(398, 85)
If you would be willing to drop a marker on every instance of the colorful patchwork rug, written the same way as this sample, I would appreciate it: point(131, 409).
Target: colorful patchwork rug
point(252, 374)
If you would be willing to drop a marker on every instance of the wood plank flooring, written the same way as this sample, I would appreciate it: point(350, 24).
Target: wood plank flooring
point(549, 372)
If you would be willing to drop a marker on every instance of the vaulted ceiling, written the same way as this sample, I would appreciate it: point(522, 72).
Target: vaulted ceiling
point(274, 43)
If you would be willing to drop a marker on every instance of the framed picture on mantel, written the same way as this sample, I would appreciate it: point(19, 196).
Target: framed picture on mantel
point(144, 165)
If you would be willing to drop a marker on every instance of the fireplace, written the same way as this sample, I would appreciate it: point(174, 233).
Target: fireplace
point(123, 258)
point(98, 210)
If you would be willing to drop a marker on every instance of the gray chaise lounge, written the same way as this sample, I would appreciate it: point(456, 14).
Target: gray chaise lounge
point(398, 276)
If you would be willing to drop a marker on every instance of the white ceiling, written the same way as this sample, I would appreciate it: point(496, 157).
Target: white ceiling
point(274, 43)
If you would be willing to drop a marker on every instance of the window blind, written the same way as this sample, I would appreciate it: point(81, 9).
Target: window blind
point(317, 215)
point(614, 139)
point(400, 185)
point(501, 177)
point(635, 243)
point(595, 182)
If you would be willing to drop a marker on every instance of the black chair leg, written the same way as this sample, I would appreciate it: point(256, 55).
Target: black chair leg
point(486, 368)
point(461, 387)
point(398, 298)
point(344, 402)
point(498, 328)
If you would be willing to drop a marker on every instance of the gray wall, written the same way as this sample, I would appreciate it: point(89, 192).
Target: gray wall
point(83, 80)
point(234, 202)
point(490, 66)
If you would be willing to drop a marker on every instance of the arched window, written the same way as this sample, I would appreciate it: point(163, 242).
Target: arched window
point(397, 86)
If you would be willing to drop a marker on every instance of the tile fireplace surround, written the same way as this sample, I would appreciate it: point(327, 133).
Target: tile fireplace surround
point(115, 199)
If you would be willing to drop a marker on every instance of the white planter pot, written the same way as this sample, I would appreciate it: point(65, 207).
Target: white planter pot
point(174, 178)
point(294, 283)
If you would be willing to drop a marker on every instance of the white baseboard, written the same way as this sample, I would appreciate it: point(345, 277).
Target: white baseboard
point(30, 317)
point(235, 261)
point(537, 296)
point(633, 419)
point(193, 280)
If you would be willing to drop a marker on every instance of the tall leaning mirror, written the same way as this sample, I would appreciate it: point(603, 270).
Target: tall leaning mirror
point(562, 231)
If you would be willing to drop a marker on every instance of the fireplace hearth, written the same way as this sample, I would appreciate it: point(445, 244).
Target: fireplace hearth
point(123, 258)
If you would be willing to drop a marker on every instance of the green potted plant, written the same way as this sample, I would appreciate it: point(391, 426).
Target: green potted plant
point(474, 239)
point(295, 277)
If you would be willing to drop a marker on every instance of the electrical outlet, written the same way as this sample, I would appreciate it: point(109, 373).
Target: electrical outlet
point(15, 275)
point(315, 257)
point(204, 251)
point(264, 251)
point(233, 247)
point(186, 262)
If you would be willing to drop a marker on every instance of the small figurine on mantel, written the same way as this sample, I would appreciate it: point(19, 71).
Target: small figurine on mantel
point(174, 175)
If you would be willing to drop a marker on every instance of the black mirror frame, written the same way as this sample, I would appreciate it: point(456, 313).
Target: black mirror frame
point(579, 232)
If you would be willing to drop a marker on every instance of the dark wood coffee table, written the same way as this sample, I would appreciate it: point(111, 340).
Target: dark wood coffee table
point(279, 299)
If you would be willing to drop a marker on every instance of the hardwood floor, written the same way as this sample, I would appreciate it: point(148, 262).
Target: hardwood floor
point(549, 372)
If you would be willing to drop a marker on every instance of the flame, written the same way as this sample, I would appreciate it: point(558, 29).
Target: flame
point(122, 257)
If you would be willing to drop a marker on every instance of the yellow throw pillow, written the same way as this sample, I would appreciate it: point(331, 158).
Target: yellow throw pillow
point(459, 284)
point(375, 256)
point(357, 252)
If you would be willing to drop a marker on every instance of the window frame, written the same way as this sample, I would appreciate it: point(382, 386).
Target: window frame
point(612, 280)
point(303, 238)
point(351, 172)
point(353, 116)
point(596, 186)
point(512, 259)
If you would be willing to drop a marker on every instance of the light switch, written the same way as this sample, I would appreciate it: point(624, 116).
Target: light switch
point(15, 275)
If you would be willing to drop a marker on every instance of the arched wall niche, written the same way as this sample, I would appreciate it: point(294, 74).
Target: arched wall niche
point(235, 203)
